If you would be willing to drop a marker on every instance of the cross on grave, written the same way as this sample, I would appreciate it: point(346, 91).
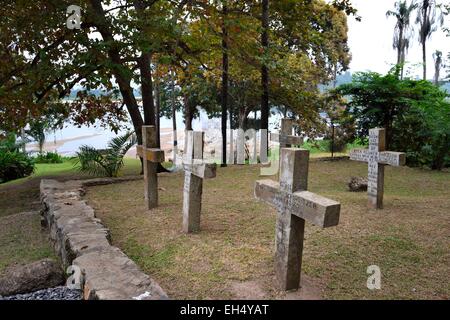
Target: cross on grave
point(294, 205)
point(377, 158)
point(285, 137)
point(151, 157)
point(195, 171)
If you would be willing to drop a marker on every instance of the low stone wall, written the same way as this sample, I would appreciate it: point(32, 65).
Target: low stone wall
point(81, 240)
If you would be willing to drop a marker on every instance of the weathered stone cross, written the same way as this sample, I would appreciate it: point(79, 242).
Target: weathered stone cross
point(152, 156)
point(377, 158)
point(285, 137)
point(294, 205)
point(195, 172)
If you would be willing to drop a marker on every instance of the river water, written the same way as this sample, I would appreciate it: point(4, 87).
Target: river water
point(68, 140)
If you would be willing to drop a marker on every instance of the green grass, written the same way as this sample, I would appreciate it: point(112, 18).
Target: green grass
point(21, 238)
point(22, 241)
point(132, 166)
point(409, 239)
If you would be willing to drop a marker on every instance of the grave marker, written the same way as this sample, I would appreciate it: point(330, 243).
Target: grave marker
point(151, 157)
point(285, 137)
point(294, 205)
point(195, 171)
point(377, 158)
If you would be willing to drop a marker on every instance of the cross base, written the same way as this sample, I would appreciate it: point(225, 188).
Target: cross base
point(192, 202)
point(290, 232)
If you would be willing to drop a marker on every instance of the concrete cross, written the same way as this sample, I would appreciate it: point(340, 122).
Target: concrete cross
point(377, 158)
point(294, 205)
point(152, 156)
point(285, 137)
point(195, 171)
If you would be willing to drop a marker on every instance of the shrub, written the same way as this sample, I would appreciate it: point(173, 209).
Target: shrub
point(15, 165)
point(415, 114)
point(106, 162)
point(49, 157)
point(317, 146)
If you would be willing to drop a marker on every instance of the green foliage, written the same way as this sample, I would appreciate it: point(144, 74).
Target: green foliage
point(49, 157)
point(424, 134)
point(323, 146)
point(316, 146)
point(416, 115)
point(106, 162)
point(14, 164)
point(10, 143)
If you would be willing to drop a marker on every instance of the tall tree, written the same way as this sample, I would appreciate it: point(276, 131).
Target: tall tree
point(174, 116)
point(429, 18)
point(224, 81)
point(265, 71)
point(402, 31)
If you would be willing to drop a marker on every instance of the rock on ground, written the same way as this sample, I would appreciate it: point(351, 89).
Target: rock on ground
point(357, 184)
point(38, 275)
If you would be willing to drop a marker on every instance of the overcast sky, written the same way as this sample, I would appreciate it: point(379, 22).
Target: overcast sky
point(371, 40)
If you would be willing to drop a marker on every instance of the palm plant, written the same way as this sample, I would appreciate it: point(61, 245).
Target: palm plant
point(403, 31)
point(106, 162)
point(38, 129)
point(437, 57)
point(429, 17)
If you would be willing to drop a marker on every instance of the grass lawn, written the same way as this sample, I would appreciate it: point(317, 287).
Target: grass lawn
point(409, 240)
point(21, 238)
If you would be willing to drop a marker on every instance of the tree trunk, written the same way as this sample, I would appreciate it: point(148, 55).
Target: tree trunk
point(426, 5)
point(147, 89)
point(22, 137)
point(265, 73)
point(424, 58)
point(224, 84)
point(231, 154)
point(332, 139)
point(158, 112)
point(387, 127)
point(123, 80)
point(174, 118)
point(400, 50)
point(187, 114)
point(437, 70)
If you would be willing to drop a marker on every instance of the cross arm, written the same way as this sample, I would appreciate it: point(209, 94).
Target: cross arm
point(359, 155)
point(392, 158)
point(292, 140)
point(153, 154)
point(316, 209)
point(202, 170)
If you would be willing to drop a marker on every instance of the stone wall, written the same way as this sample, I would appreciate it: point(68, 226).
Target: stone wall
point(81, 240)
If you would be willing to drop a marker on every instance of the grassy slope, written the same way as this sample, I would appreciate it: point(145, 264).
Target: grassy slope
point(409, 239)
point(21, 238)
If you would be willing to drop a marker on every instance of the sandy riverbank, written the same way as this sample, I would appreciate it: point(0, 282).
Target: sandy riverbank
point(51, 146)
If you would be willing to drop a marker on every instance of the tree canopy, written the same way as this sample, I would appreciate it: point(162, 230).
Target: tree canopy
point(120, 43)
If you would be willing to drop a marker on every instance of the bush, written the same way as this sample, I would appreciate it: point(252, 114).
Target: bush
point(317, 146)
point(415, 114)
point(106, 162)
point(424, 134)
point(15, 165)
point(49, 157)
